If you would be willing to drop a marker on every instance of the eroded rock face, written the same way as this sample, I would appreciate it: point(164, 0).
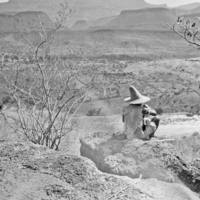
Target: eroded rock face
point(161, 160)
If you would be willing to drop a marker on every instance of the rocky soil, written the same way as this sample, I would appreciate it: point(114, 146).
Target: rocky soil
point(32, 172)
point(153, 159)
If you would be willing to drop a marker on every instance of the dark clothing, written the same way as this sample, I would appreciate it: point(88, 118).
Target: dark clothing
point(147, 110)
point(156, 120)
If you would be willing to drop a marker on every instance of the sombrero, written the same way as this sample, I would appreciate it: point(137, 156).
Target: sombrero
point(136, 97)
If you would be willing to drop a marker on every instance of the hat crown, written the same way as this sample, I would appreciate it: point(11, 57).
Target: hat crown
point(136, 97)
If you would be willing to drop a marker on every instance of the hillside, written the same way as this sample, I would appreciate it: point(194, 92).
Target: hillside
point(85, 10)
point(97, 23)
point(143, 18)
point(192, 17)
point(101, 22)
point(80, 25)
point(195, 10)
point(48, 6)
point(186, 9)
point(189, 6)
point(9, 22)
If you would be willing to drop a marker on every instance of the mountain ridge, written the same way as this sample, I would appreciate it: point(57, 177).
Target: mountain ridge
point(189, 6)
point(12, 21)
point(195, 10)
point(84, 10)
point(148, 18)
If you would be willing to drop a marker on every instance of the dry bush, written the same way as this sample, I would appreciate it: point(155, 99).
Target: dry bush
point(49, 90)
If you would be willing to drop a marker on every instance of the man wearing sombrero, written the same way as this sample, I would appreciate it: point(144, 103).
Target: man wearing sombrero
point(134, 116)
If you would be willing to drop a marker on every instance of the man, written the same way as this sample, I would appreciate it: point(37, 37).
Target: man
point(136, 116)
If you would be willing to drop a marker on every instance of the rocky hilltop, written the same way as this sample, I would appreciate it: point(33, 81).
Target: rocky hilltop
point(154, 159)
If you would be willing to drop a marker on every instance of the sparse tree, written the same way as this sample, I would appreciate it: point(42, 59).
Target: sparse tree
point(188, 29)
point(49, 90)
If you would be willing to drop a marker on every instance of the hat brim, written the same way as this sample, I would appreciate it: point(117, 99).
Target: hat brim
point(142, 99)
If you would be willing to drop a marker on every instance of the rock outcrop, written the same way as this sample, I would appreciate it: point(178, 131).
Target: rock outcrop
point(161, 160)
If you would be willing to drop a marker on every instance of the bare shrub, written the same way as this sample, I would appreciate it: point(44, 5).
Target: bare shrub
point(48, 92)
point(94, 112)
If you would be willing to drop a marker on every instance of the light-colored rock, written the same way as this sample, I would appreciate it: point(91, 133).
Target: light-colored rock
point(153, 159)
point(115, 155)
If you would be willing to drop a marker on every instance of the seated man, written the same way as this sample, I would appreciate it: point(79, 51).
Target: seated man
point(133, 116)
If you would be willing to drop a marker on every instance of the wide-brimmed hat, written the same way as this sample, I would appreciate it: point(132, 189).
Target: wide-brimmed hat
point(136, 97)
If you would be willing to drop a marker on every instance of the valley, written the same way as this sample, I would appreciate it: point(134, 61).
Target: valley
point(62, 95)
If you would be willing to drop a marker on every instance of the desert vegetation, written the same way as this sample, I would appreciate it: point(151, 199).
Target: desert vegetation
point(47, 91)
point(62, 86)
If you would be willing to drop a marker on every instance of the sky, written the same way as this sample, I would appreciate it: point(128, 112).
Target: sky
point(172, 3)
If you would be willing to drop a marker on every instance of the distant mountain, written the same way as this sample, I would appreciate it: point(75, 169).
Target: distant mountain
point(187, 9)
point(192, 17)
point(48, 6)
point(143, 18)
point(85, 9)
point(80, 25)
point(195, 10)
point(189, 6)
point(101, 21)
point(11, 21)
point(83, 24)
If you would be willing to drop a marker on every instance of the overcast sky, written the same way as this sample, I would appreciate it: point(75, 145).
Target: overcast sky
point(172, 3)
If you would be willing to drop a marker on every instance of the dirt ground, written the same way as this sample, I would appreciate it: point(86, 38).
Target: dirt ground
point(34, 173)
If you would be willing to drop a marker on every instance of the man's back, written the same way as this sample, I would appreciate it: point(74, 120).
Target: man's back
point(132, 115)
